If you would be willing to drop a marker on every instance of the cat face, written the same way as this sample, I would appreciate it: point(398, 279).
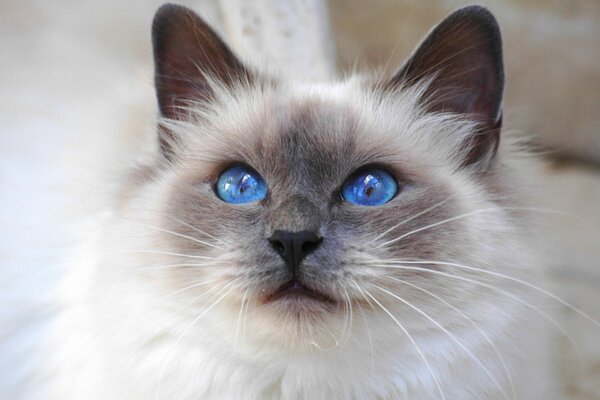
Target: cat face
point(297, 255)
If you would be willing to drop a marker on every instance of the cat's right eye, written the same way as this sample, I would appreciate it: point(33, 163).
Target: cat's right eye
point(240, 184)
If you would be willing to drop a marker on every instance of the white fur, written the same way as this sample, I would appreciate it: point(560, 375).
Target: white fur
point(116, 337)
point(108, 333)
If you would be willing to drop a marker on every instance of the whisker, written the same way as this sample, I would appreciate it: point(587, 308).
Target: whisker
point(384, 71)
point(184, 332)
point(470, 320)
point(369, 335)
point(349, 312)
point(167, 253)
point(433, 376)
point(425, 211)
point(244, 322)
point(450, 335)
point(501, 291)
point(196, 229)
point(195, 299)
point(186, 288)
point(86, 256)
point(433, 225)
point(482, 210)
point(237, 325)
point(508, 277)
point(181, 235)
point(313, 342)
point(160, 267)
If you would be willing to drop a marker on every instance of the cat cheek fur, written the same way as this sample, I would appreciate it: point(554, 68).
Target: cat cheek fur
point(173, 305)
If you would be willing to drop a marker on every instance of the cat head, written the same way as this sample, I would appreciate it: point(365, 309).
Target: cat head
point(291, 205)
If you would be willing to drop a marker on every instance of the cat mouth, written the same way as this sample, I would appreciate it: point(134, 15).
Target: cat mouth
point(296, 290)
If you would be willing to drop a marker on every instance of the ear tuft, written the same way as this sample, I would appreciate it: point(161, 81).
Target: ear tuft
point(461, 59)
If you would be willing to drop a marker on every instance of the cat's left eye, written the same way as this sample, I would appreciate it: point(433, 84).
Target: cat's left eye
point(370, 187)
point(240, 184)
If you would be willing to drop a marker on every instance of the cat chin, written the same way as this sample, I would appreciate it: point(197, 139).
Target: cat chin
point(297, 323)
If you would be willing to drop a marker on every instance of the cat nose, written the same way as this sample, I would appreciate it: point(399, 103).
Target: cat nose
point(293, 247)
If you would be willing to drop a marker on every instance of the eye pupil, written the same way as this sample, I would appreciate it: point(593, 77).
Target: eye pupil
point(369, 191)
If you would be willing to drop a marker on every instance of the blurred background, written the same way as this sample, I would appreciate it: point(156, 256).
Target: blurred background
point(77, 100)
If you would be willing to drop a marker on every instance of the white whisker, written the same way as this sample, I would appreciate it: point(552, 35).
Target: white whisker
point(197, 229)
point(442, 222)
point(369, 335)
point(501, 291)
point(349, 311)
point(167, 253)
point(536, 209)
point(187, 288)
point(244, 322)
point(237, 324)
point(168, 266)
point(508, 277)
point(195, 299)
point(425, 211)
point(451, 336)
point(433, 376)
point(470, 320)
point(184, 332)
point(181, 235)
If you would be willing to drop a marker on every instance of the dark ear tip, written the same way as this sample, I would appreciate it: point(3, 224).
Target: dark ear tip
point(476, 11)
point(482, 18)
point(169, 18)
point(165, 16)
point(168, 9)
point(477, 15)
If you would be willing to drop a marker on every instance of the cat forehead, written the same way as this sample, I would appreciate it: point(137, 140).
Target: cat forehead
point(306, 124)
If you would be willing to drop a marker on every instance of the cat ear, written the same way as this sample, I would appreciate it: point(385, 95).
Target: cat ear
point(188, 55)
point(462, 58)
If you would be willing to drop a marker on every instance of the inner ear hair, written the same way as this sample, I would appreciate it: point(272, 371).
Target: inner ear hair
point(189, 58)
point(461, 63)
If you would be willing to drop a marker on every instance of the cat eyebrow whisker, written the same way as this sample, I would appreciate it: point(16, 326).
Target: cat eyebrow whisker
point(501, 291)
point(504, 276)
point(470, 320)
point(450, 335)
point(414, 343)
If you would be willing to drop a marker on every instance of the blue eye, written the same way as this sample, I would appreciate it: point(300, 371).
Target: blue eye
point(370, 187)
point(241, 184)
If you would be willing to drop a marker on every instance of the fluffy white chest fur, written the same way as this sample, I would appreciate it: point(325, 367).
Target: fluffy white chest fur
point(287, 240)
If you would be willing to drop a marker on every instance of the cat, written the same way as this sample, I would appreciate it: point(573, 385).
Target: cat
point(298, 240)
